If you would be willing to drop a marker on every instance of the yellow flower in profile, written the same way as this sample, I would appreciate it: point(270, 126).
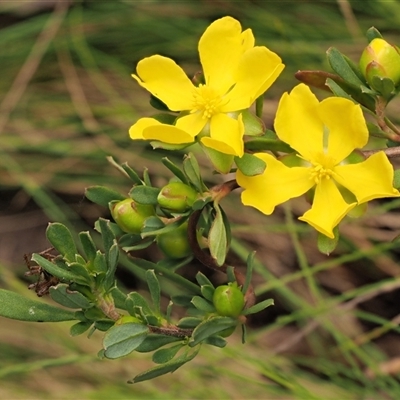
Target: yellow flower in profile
point(324, 134)
point(235, 73)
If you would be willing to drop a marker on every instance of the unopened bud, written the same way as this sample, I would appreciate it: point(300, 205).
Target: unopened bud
point(176, 197)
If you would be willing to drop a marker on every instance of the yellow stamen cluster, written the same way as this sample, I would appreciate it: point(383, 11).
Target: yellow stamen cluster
point(319, 172)
point(206, 101)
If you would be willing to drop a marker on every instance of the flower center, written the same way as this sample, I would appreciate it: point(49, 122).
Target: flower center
point(206, 101)
point(319, 172)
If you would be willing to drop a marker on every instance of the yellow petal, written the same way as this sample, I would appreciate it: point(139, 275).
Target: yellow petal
point(297, 122)
point(328, 208)
point(247, 40)
point(151, 129)
point(258, 69)
point(346, 125)
point(368, 180)
point(220, 49)
point(163, 78)
point(276, 185)
point(226, 135)
point(136, 130)
point(192, 123)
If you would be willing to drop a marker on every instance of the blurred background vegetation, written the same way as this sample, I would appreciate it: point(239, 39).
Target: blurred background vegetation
point(66, 103)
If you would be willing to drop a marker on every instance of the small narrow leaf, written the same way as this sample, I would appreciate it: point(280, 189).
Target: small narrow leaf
point(207, 291)
point(61, 295)
point(61, 239)
point(162, 356)
point(145, 194)
point(202, 304)
point(192, 171)
point(80, 327)
point(154, 342)
point(262, 305)
point(15, 306)
point(174, 169)
point(216, 341)
point(107, 235)
point(121, 340)
point(88, 245)
point(154, 289)
point(164, 368)
point(102, 195)
point(203, 280)
point(249, 271)
point(217, 237)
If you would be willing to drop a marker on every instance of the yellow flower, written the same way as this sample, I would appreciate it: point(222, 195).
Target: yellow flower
point(235, 73)
point(324, 134)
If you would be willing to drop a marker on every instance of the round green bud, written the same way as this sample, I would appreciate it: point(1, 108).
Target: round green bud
point(228, 300)
point(130, 215)
point(382, 60)
point(175, 244)
point(176, 197)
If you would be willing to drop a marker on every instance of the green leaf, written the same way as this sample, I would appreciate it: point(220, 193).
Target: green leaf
point(121, 340)
point(53, 269)
point(15, 306)
point(145, 195)
point(221, 162)
point(385, 86)
point(189, 322)
point(61, 295)
point(396, 179)
point(154, 341)
point(112, 263)
point(102, 195)
point(209, 328)
point(88, 245)
point(104, 325)
point(164, 368)
point(80, 270)
point(158, 104)
point(61, 239)
point(162, 356)
point(262, 305)
point(216, 341)
point(80, 327)
point(250, 165)
point(249, 271)
point(99, 263)
point(207, 291)
point(217, 237)
point(376, 131)
point(259, 105)
point(135, 299)
point(340, 65)
point(203, 280)
point(325, 244)
point(154, 289)
point(107, 235)
point(202, 304)
point(175, 169)
point(192, 171)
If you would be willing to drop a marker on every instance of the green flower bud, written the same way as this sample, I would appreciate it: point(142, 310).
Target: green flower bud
point(228, 300)
point(382, 60)
point(175, 244)
point(130, 215)
point(176, 197)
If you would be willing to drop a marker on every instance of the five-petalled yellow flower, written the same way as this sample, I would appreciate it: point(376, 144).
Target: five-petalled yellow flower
point(235, 73)
point(323, 134)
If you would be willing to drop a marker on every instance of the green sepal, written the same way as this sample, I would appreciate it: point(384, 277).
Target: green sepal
point(164, 368)
point(250, 165)
point(262, 305)
point(221, 162)
point(61, 239)
point(15, 306)
point(325, 244)
point(102, 195)
point(61, 295)
point(165, 118)
point(396, 179)
point(209, 328)
point(163, 356)
point(121, 340)
point(145, 195)
point(158, 104)
point(155, 144)
point(253, 126)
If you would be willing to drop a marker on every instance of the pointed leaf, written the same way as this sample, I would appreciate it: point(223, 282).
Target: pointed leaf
point(162, 356)
point(174, 169)
point(155, 341)
point(262, 305)
point(15, 306)
point(61, 295)
point(203, 280)
point(121, 340)
point(80, 327)
point(61, 239)
point(102, 195)
point(265, 143)
point(202, 304)
point(154, 289)
point(217, 237)
point(192, 171)
point(88, 245)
